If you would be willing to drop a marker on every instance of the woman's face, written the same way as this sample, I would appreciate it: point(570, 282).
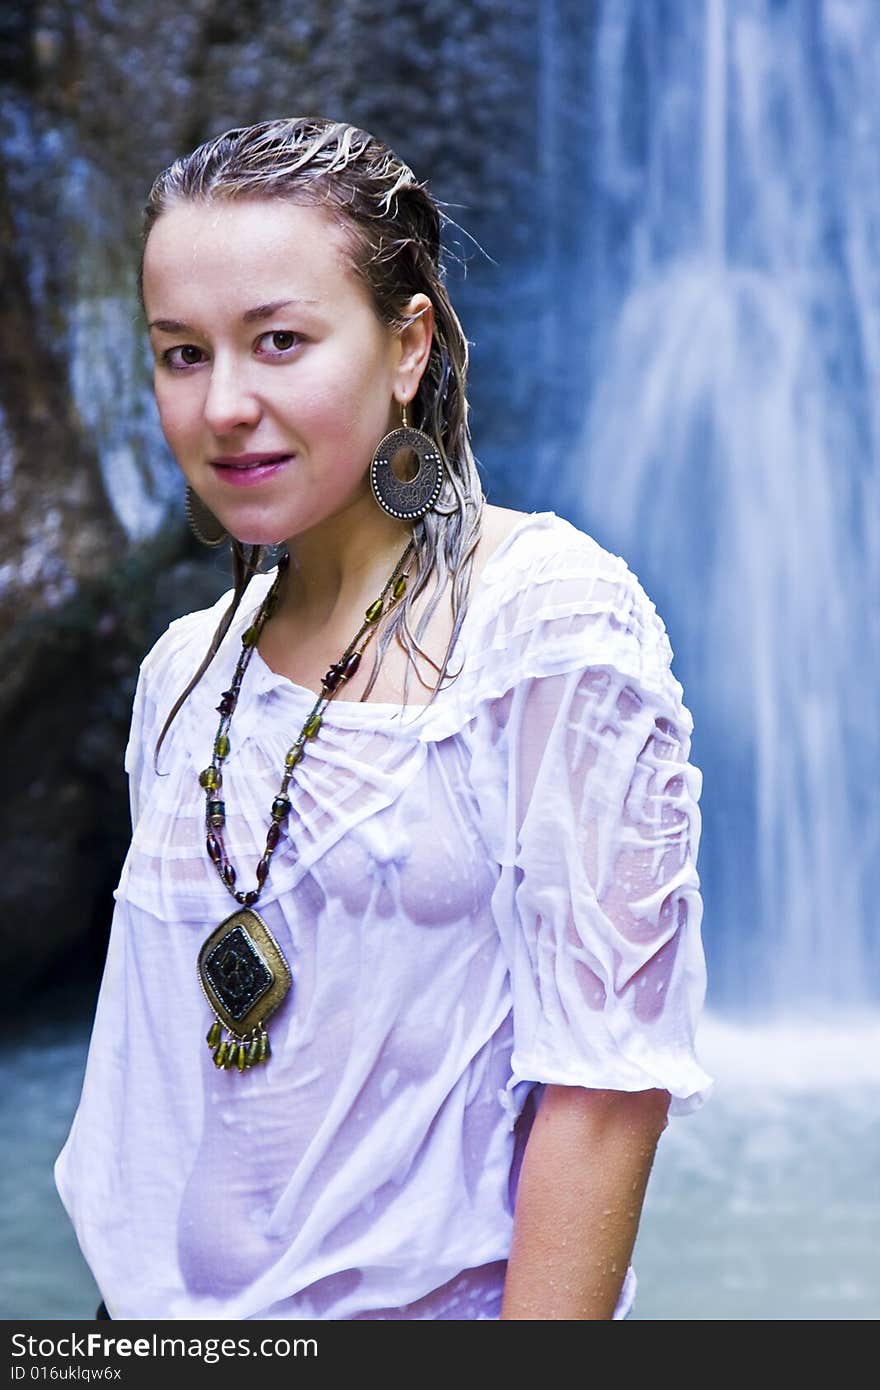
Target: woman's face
point(266, 343)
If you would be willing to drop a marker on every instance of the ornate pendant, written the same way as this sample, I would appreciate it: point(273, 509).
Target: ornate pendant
point(244, 978)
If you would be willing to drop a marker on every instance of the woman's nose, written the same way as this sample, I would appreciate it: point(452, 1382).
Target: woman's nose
point(230, 400)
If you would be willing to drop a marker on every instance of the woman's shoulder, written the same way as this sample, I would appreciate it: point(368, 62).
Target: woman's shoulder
point(187, 637)
point(551, 598)
point(531, 557)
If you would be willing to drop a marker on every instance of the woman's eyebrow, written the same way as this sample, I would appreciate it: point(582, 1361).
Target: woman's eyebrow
point(255, 315)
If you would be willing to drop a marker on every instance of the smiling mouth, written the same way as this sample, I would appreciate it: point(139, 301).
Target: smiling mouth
point(248, 465)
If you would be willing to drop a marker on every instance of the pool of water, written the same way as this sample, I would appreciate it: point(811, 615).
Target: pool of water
point(765, 1204)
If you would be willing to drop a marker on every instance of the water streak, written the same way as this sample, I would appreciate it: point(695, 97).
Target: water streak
point(731, 433)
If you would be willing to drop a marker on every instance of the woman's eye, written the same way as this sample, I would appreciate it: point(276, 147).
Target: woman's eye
point(177, 364)
point(282, 340)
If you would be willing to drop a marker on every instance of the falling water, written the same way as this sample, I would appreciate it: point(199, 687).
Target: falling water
point(728, 449)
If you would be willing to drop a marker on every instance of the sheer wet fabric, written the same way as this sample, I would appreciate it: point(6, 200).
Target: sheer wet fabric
point(480, 896)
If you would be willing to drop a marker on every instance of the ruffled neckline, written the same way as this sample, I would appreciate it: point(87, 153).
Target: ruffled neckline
point(262, 679)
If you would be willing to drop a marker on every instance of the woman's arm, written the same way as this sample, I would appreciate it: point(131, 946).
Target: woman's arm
point(579, 1199)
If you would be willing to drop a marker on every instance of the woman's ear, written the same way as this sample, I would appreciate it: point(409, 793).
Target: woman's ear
point(415, 346)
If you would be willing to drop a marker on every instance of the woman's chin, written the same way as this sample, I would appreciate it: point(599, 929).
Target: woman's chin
point(266, 539)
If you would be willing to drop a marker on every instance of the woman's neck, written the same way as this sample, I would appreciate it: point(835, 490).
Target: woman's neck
point(341, 565)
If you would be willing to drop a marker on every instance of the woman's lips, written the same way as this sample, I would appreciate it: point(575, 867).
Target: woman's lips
point(250, 474)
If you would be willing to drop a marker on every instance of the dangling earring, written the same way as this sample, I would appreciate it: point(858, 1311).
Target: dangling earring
point(406, 500)
point(202, 522)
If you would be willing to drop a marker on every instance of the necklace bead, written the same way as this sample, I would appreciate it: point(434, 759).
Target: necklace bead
point(350, 665)
point(211, 778)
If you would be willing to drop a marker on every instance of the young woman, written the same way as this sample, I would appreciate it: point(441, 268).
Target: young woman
point(405, 963)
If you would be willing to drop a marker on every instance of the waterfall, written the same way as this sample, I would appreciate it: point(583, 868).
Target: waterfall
point(728, 391)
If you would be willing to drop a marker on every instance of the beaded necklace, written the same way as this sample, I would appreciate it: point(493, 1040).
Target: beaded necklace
point(242, 970)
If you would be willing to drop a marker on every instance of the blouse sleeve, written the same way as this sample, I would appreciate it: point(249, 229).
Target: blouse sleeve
point(164, 673)
point(136, 752)
point(582, 765)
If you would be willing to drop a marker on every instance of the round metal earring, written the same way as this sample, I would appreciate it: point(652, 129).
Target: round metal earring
point(411, 498)
point(202, 522)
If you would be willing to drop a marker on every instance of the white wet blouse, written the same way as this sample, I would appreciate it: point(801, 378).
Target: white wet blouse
point(490, 892)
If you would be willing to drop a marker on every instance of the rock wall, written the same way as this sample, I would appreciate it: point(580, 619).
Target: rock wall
point(94, 560)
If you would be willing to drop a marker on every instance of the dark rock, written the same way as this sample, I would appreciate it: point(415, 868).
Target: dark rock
point(94, 560)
